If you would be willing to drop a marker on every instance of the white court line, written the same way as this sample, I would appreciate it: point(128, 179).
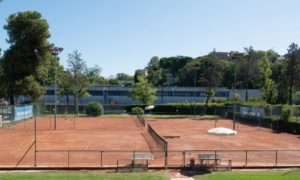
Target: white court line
point(65, 124)
point(89, 143)
point(102, 122)
point(28, 144)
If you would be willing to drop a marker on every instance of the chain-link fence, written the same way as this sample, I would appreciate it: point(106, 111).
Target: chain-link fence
point(18, 116)
point(173, 158)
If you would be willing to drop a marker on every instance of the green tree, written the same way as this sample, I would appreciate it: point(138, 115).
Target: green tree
point(266, 72)
point(123, 77)
point(237, 96)
point(49, 78)
point(171, 65)
point(77, 68)
point(249, 69)
point(268, 91)
point(291, 70)
point(138, 110)
point(66, 85)
point(114, 82)
point(227, 73)
point(2, 85)
point(276, 68)
point(267, 86)
point(136, 74)
point(259, 54)
point(100, 80)
point(211, 75)
point(27, 59)
point(154, 71)
point(93, 73)
point(143, 91)
point(127, 83)
point(187, 73)
point(272, 55)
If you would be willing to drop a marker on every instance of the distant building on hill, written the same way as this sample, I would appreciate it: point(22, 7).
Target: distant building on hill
point(143, 71)
point(280, 58)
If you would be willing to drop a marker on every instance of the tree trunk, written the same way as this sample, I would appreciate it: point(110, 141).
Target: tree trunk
point(247, 82)
point(205, 107)
point(11, 99)
point(68, 99)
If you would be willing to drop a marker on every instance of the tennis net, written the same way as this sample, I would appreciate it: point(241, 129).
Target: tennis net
point(142, 120)
point(161, 142)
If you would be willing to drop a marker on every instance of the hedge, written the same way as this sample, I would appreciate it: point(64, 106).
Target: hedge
point(271, 122)
point(183, 108)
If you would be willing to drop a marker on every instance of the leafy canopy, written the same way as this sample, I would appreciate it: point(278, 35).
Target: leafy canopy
point(143, 91)
point(27, 59)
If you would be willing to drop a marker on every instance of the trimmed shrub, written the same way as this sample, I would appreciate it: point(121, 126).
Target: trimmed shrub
point(137, 110)
point(94, 108)
point(286, 114)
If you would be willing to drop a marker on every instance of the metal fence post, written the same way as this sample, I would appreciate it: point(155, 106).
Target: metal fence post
point(166, 158)
point(276, 158)
point(2, 119)
point(24, 117)
point(68, 158)
point(34, 142)
point(183, 153)
point(246, 157)
point(101, 157)
point(50, 116)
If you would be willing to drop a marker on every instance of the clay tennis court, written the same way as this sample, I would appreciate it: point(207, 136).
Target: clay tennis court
point(87, 141)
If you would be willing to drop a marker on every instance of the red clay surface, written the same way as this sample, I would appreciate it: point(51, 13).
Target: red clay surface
point(88, 136)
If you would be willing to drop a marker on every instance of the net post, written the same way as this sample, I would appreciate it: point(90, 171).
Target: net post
point(276, 158)
point(68, 158)
point(246, 158)
point(166, 153)
point(101, 158)
point(133, 155)
point(183, 154)
point(34, 142)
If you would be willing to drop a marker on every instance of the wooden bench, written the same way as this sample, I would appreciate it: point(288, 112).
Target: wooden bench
point(217, 165)
point(132, 165)
point(215, 158)
point(124, 115)
point(143, 157)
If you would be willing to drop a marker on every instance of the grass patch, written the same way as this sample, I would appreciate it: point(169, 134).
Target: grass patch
point(85, 176)
point(253, 175)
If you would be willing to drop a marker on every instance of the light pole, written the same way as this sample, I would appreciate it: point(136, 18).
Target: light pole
point(234, 55)
point(195, 69)
point(54, 51)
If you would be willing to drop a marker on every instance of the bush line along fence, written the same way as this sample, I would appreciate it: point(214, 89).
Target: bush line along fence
point(278, 117)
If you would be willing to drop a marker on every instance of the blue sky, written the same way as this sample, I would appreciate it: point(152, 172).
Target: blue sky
point(123, 35)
